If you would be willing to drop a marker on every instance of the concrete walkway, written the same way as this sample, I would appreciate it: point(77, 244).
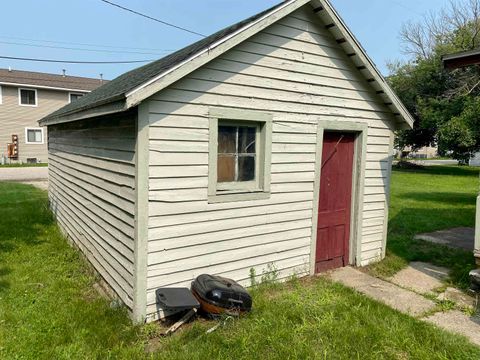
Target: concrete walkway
point(410, 292)
point(400, 299)
point(462, 238)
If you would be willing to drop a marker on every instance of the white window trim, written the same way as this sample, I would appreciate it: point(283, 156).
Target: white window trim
point(73, 93)
point(253, 190)
point(20, 97)
point(34, 143)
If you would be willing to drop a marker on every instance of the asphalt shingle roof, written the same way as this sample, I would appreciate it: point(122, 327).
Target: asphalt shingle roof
point(52, 80)
point(116, 89)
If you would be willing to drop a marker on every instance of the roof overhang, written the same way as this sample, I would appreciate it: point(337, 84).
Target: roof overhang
point(323, 8)
point(362, 61)
point(327, 14)
point(461, 59)
point(101, 109)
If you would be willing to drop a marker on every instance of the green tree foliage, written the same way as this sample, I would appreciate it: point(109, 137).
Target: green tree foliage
point(445, 104)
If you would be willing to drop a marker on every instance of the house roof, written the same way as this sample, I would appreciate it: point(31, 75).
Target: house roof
point(461, 59)
point(131, 88)
point(48, 81)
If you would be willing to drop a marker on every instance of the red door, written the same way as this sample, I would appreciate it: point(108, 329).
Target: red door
point(334, 207)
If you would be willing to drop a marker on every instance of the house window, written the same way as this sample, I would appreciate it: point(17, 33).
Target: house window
point(33, 136)
point(74, 96)
point(27, 97)
point(239, 155)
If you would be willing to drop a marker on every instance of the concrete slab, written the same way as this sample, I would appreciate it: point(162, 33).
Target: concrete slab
point(458, 322)
point(400, 299)
point(421, 277)
point(458, 297)
point(462, 238)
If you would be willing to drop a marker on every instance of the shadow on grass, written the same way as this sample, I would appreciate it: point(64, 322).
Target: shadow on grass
point(442, 170)
point(23, 214)
point(4, 284)
point(442, 197)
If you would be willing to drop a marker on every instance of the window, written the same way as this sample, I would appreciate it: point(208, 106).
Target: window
point(27, 97)
point(33, 136)
point(74, 96)
point(236, 152)
point(239, 155)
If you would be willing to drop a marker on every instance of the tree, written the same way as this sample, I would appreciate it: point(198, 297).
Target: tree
point(443, 103)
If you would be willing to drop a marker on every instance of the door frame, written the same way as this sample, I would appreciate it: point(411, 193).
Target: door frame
point(359, 160)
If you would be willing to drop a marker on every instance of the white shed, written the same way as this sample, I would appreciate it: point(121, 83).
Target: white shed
point(266, 143)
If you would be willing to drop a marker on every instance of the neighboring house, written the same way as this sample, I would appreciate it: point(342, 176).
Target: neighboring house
point(426, 152)
point(266, 143)
point(26, 97)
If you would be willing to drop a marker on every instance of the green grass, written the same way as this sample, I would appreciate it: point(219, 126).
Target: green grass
point(48, 309)
point(23, 165)
point(426, 200)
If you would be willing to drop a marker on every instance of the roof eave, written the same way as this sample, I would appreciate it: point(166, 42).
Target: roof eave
point(114, 105)
point(393, 102)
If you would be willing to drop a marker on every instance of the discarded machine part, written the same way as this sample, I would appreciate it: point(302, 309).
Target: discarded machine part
point(218, 295)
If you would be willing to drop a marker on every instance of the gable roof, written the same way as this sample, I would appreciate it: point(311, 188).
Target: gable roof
point(48, 81)
point(131, 88)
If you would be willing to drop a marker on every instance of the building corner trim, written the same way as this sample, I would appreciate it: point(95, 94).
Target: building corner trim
point(141, 215)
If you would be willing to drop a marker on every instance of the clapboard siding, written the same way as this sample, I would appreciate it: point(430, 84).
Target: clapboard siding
point(92, 193)
point(14, 118)
point(296, 71)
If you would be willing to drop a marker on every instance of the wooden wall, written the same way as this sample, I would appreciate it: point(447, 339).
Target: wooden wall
point(92, 193)
point(295, 70)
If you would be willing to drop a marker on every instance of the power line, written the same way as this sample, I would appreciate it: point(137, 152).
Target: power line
point(152, 18)
point(74, 61)
point(82, 49)
point(84, 44)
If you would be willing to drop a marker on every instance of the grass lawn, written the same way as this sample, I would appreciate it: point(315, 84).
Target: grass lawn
point(425, 200)
point(48, 309)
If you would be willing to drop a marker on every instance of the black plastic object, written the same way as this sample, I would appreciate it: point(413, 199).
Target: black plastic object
point(176, 299)
point(475, 281)
point(219, 295)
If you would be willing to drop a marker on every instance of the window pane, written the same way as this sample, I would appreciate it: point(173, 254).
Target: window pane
point(27, 97)
point(34, 136)
point(31, 135)
point(38, 135)
point(246, 168)
point(226, 139)
point(246, 140)
point(226, 168)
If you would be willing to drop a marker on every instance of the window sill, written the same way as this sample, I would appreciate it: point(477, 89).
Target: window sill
point(238, 196)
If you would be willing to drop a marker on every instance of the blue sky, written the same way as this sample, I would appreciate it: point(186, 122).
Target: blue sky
point(67, 23)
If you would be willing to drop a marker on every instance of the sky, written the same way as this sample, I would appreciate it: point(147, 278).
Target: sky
point(116, 35)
